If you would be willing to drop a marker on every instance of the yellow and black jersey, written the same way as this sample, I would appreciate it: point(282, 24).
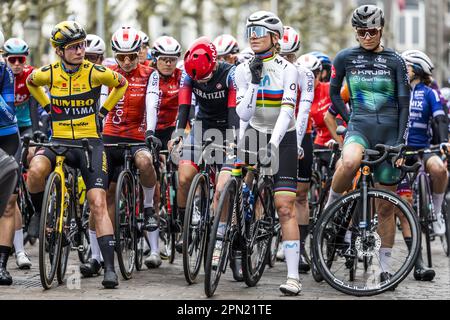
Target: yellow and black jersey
point(74, 97)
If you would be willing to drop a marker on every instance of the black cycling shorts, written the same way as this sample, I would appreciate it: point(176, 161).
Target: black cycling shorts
point(164, 135)
point(305, 165)
point(115, 155)
point(98, 177)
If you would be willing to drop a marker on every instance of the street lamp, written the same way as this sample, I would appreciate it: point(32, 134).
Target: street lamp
point(32, 33)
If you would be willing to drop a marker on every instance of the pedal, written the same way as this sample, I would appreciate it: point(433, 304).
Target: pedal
point(80, 248)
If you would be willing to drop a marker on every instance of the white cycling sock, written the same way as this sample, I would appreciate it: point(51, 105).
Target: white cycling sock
point(385, 259)
point(292, 256)
point(148, 196)
point(153, 239)
point(333, 196)
point(438, 198)
point(18, 241)
point(95, 248)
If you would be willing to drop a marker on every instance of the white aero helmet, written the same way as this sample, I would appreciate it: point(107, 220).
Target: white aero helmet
point(126, 39)
point(144, 37)
point(95, 44)
point(226, 44)
point(310, 62)
point(290, 42)
point(419, 61)
point(166, 46)
point(266, 19)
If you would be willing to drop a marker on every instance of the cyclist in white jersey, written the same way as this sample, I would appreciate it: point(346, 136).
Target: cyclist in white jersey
point(266, 98)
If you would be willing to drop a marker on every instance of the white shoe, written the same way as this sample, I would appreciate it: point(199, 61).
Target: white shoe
point(439, 225)
point(292, 287)
point(153, 260)
point(22, 260)
point(216, 255)
point(280, 252)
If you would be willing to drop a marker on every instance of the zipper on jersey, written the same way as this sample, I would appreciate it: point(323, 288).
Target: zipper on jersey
point(70, 95)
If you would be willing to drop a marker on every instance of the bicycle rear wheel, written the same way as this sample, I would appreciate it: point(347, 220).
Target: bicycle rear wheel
point(425, 214)
point(49, 236)
point(445, 239)
point(274, 243)
point(215, 264)
point(196, 227)
point(331, 252)
point(137, 226)
point(84, 245)
point(124, 224)
point(259, 231)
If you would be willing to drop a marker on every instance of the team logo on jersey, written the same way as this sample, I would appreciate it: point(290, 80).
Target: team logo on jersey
point(333, 72)
point(219, 86)
point(56, 110)
point(380, 59)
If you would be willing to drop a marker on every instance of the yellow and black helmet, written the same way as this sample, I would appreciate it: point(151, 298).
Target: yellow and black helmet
point(67, 32)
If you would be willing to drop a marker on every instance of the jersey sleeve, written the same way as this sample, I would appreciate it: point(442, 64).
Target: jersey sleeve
point(231, 84)
point(152, 101)
point(246, 93)
point(184, 100)
point(435, 102)
point(111, 79)
point(7, 91)
point(306, 85)
point(35, 82)
point(337, 77)
point(403, 95)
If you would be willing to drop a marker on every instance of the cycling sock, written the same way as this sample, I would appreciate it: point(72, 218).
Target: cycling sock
point(348, 237)
point(333, 196)
point(438, 198)
point(18, 241)
point(419, 261)
point(107, 245)
point(4, 255)
point(385, 259)
point(37, 198)
point(95, 249)
point(148, 196)
point(181, 215)
point(292, 256)
point(303, 228)
point(153, 239)
point(221, 229)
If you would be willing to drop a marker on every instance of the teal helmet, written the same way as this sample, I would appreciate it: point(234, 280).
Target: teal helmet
point(15, 46)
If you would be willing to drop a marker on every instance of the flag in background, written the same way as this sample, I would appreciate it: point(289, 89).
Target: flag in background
point(401, 4)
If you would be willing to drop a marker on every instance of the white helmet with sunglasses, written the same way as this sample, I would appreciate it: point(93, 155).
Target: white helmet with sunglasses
point(261, 22)
point(126, 40)
point(226, 44)
point(310, 62)
point(290, 42)
point(95, 44)
point(166, 46)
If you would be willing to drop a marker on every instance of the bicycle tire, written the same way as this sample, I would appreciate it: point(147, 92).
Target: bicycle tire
point(274, 243)
point(194, 236)
point(174, 235)
point(49, 237)
point(85, 254)
point(138, 231)
point(212, 275)
point(124, 224)
point(317, 275)
point(425, 214)
point(323, 230)
point(253, 267)
point(445, 239)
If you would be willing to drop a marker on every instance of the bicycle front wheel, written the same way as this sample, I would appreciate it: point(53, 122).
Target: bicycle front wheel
point(344, 265)
point(124, 224)
point(196, 227)
point(445, 239)
point(49, 235)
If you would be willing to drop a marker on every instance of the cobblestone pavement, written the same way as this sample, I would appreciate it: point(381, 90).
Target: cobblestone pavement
point(168, 283)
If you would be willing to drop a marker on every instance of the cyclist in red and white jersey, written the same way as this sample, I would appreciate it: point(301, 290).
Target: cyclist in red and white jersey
point(227, 48)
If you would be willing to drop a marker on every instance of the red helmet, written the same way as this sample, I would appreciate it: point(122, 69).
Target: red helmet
point(200, 59)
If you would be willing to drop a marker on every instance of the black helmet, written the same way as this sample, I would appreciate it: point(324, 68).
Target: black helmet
point(368, 16)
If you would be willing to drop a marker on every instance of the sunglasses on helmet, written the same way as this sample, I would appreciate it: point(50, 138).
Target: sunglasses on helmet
point(372, 32)
point(257, 32)
point(13, 59)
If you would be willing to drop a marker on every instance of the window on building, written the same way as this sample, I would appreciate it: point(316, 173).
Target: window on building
point(415, 34)
point(401, 37)
point(412, 4)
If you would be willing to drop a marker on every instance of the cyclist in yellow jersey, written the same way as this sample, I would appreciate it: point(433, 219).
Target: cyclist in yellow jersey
point(74, 84)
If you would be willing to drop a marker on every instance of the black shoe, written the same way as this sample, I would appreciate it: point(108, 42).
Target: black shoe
point(179, 246)
point(33, 227)
point(5, 277)
point(385, 276)
point(236, 265)
point(304, 264)
point(91, 268)
point(110, 280)
point(151, 221)
point(424, 274)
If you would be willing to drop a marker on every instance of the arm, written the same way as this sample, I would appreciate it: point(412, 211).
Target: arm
point(438, 116)
point(233, 118)
point(152, 102)
point(34, 114)
point(111, 79)
point(184, 101)
point(287, 105)
point(246, 94)
point(337, 76)
point(306, 83)
point(35, 81)
point(331, 123)
point(403, 97)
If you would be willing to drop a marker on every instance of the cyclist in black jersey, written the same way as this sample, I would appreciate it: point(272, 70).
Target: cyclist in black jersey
point(379, 93)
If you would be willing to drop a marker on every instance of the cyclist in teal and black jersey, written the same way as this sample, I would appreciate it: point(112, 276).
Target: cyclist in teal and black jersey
point(379, 94)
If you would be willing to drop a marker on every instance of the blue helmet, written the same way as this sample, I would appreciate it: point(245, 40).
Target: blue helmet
point(15, 46)
point(322, 57)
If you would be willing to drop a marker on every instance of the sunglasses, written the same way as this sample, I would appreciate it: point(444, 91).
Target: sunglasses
point(14, 59)
point(92, 57)
point(122, 56)
point(257, 32)
point(168, 59)
point(362, 33)
point(74, 47)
